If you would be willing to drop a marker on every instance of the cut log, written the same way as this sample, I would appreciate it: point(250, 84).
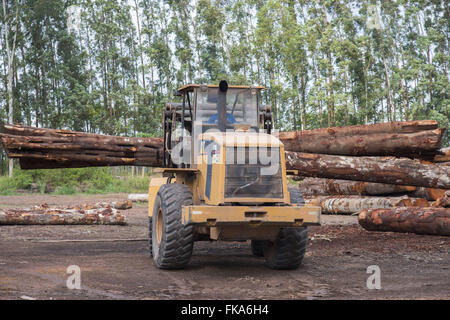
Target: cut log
point(45, 215)
point(64, 136)
point(444, 201)
point(328, 187)
point(432, 221)
point(67, 160)
point(410, 139)
point(443, 155)
point(21, 130)
point(388, 170)
point(429, 193)
point(352, 204)
point(420, 202)
point(120, 205)
point(138, 197)
point(41, 148)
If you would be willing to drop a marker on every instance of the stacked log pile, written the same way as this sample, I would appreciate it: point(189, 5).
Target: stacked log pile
point(397, 170)
point(399, 153)
point(397, 210)
point(40, 148)
point(87, 214)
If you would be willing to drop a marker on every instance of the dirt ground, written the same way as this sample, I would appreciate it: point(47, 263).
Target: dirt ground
point(33, 262)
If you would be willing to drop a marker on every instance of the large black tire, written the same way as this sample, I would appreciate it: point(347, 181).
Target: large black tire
point(173, 249)
point(289, 248)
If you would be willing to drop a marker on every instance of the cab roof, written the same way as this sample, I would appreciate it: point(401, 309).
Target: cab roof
point(190, 87)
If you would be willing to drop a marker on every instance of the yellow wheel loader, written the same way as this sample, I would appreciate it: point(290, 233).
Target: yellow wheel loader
point(224, 178)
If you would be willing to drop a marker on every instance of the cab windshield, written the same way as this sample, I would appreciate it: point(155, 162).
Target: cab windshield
point(242, 106)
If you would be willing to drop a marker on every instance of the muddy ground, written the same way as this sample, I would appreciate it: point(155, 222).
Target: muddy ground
point(33, 262)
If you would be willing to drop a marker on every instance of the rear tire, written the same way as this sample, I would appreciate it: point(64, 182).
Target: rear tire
point(289, 248)
point(172, 242)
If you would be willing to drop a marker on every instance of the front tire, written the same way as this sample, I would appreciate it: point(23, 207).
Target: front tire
point(289, 248)
point(172, 242)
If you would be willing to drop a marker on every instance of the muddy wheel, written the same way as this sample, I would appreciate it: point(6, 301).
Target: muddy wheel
point(258, 247)
point(172, 242)
point(289, 248)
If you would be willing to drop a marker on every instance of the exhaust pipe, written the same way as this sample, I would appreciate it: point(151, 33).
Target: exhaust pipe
point(222, 105)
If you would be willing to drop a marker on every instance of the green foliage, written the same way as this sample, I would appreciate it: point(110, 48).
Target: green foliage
point(70, 181)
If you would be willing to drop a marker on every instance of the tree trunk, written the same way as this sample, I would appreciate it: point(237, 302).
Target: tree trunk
point(399, 171)
point(391, 112)
point(432, 221)
point(10, 52)
point(352, 204)
point(328, 187)
point(44, 215)
point(410, 139)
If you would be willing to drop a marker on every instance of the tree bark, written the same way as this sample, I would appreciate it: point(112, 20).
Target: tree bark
point(352, 204)
point(328, 187)
point(444, 201)
point(386, 127)
point(443, 155)
point(432, 221)
point(429, 193)
point(120, 205)
point(420, 202)
point(392, 139)
point(399, 171)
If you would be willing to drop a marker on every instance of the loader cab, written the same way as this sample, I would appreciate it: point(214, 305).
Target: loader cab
point(198, 113)
point(241, 104)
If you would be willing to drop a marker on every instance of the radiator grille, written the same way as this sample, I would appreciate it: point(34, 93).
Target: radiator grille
point(253, 173)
